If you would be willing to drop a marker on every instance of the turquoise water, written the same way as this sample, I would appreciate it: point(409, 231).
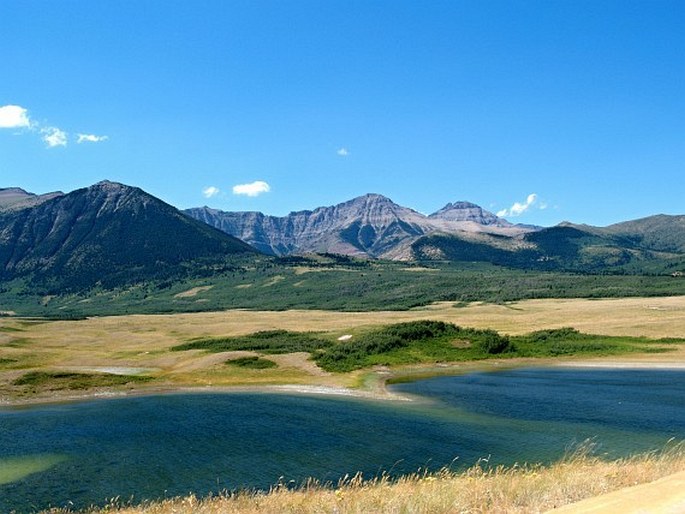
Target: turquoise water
point(161, 446)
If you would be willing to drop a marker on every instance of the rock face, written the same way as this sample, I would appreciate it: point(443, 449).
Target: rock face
point(108, 231)
point(371, 225)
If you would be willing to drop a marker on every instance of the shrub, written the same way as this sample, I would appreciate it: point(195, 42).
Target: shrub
point(492, 343)
point(252, 363)
point(543, 336)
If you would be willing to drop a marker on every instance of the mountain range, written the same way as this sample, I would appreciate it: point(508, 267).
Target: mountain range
point(109, 234)
point(372, 226)
point(368, 226)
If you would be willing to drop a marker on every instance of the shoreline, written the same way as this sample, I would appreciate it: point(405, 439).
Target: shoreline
point(377, 391)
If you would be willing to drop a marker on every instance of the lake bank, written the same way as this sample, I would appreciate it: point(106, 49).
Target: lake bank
point(372, 385)
point(207, 443)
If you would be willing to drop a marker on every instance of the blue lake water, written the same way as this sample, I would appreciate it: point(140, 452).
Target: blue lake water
point(161, 446)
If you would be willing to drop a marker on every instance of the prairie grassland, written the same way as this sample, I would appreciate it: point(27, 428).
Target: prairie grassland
point(143, 342)
point(518, 489)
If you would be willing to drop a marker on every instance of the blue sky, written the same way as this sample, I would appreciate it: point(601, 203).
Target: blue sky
point(574, 110)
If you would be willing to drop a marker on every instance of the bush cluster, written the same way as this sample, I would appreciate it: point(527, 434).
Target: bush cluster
point(352, 354)
point(267, 341)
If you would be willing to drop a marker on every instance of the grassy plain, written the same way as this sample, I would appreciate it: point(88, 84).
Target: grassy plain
point(141, 344)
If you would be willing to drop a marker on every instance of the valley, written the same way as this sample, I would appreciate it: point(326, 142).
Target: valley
point(109, 293)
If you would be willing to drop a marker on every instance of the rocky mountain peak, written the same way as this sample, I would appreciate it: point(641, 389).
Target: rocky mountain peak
point(112, 196)
point(111, 187)
point(370, 225)
point(467, 211)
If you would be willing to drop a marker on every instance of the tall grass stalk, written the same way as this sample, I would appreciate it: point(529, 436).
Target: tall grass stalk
point(480, 489)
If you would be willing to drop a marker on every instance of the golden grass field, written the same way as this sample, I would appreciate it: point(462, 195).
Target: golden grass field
point(143, 341)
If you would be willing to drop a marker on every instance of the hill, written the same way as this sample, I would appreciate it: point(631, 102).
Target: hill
point(565, 247)
point(107, 234)
point(661, 233)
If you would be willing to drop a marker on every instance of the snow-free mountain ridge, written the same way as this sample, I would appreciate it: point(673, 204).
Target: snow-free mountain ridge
point(115, 234)
point(368, 226)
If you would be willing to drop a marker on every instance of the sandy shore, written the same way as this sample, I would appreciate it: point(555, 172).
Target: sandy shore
point(379, 391)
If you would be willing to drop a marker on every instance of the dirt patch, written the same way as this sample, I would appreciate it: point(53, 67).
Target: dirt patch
point(274, 280)
point(666, 495)
point(299, 361)
point(112, 370)
point(206, 361)
point(193, 292)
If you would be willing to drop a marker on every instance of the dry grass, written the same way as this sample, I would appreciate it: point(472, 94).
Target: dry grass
point(144, 340)
point(193, 292)
point(526, 489)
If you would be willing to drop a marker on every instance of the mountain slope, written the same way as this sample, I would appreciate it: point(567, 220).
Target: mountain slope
point(108, 233)
point(565, 247)
point(367, 226)
point(14, 198)
point(662, 233)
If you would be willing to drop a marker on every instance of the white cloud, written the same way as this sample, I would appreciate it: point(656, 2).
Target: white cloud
point(17, 117)
point(52, 136)
point(519, 208)
point(210, 191)
point(90, 138)
point(256, 188)
point(14, 116)
point(343, 152)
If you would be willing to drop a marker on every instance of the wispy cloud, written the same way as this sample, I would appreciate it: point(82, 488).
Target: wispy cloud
point(255, 188)
point(14, 116)
point(210, 191)
point(52, 136)
point(519, 208)
point(90, 138)
point(17, 117)
point(343, 152)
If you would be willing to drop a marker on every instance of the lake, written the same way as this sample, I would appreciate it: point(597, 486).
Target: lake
point(159, 446)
